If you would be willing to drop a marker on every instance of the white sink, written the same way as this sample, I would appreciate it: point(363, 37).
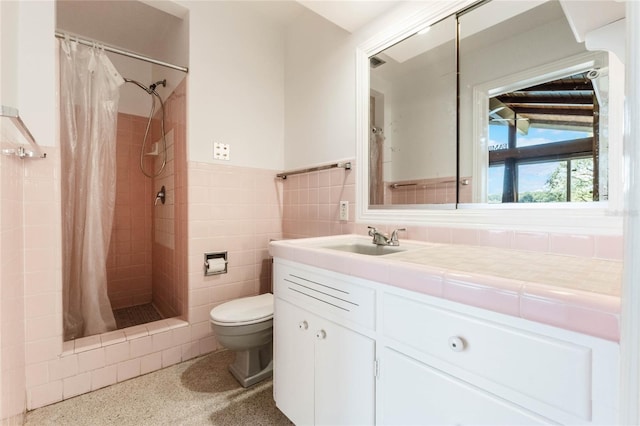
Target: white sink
point(347, 244)
point(369, 249)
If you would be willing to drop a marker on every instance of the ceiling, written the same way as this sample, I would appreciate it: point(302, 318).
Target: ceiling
point(566, 103)
point(131, 25)
point(350, 15)
point(144, 26)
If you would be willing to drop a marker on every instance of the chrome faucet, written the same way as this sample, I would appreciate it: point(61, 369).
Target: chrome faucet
point(394, 237)
point(381, 239)
point(161, 196)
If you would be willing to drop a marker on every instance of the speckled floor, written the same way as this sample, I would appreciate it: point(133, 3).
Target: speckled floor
point(196, 392)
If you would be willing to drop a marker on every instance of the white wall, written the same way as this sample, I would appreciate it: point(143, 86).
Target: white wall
point(320, 86)
point(28, 78)
point(236, 85)
point(319, 93)
point(420, 114)
point(9, 52)
point(133, 100)
point(37, 77)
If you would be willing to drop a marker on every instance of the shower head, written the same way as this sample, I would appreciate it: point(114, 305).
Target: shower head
point(162, 83)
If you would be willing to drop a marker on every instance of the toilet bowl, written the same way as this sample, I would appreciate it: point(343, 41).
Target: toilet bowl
point(246, 326)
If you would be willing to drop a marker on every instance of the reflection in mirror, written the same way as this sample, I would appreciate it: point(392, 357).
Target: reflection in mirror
point(412, 120)
point(533, 107)
point(544, 143)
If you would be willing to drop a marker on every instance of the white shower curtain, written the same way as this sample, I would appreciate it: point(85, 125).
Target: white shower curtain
point(89, 93)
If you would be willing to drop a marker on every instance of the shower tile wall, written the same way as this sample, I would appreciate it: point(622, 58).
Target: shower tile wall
point(142, 266)
point(169, 219)
point(57, 371)
point(129, 259)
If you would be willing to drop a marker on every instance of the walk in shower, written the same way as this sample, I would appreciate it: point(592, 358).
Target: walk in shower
point(124, 186)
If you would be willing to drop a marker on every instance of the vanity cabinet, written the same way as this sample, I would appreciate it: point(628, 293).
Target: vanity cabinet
point(351, 351)
point(487, 371)
point(323, 371)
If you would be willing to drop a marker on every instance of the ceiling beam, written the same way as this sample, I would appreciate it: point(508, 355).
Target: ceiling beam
point(582, 112)
point(555, 100)
point(560, 86)
point(545, 151)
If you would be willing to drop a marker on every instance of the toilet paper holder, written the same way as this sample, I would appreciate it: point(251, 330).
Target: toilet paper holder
point(215, 255)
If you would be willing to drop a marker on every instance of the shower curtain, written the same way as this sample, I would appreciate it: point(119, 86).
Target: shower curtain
point(89, 93)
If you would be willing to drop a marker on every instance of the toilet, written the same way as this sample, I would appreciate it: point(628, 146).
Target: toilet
point(246, 326)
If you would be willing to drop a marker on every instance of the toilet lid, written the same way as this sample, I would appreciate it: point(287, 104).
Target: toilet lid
point(247, 310)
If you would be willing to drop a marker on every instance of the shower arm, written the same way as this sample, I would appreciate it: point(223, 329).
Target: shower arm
point(151, 89)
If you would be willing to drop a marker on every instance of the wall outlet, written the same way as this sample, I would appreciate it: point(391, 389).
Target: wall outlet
point(344, 210)
point(220, 151)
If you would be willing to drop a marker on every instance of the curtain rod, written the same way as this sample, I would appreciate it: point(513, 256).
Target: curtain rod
point(119, 51)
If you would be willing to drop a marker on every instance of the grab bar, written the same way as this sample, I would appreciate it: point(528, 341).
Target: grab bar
point(346, 166)
point(17, 134)
point(400, 185)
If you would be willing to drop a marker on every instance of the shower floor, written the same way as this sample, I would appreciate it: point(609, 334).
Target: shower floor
point(136, 315)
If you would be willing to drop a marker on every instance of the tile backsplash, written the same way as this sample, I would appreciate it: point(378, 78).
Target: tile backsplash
point(311, 201)
point(310, 209)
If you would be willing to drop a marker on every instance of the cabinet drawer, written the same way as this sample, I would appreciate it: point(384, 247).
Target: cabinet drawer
point(544, 369)
point(327, 295)
point(440, 399)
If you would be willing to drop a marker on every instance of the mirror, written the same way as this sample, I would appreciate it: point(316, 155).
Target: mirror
point(412, 138)
point(533, 122)
point(533, 108)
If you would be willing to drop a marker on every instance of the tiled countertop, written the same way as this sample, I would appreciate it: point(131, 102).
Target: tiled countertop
point(574, 293)
point(568, 272)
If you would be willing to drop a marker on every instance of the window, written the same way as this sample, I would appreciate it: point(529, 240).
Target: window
point(543, 143)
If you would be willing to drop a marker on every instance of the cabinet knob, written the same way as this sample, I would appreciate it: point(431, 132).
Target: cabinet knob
point(321, 334)
point(457, 344)
point(303, 325)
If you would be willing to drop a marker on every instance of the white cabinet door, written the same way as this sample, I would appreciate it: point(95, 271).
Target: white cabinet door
point(344, 376)
point(293, 355)
point(414, 393)
point(323, 373)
